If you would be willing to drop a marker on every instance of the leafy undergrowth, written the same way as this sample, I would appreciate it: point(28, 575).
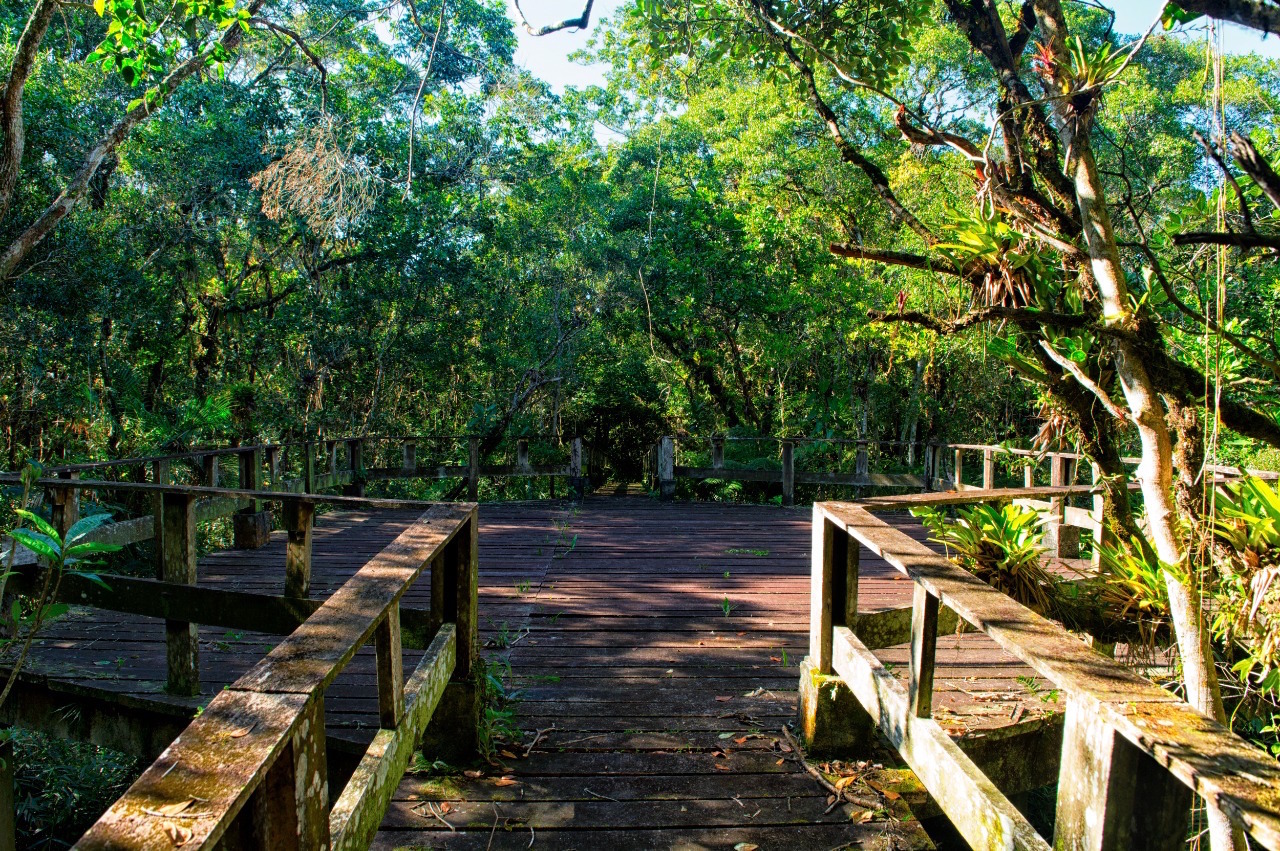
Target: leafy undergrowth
point(62, 787)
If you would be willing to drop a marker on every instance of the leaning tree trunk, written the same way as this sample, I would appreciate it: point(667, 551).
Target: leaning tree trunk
point(1155, 472)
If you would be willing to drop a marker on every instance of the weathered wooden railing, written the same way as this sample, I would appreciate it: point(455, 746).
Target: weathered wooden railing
point(250, 771)
point(1133, 754)
point(350, 462)
point(664, 469)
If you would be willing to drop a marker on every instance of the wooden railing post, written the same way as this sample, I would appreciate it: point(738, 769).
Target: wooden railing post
point(290, 808)
point(299, 517)
point(1062, 540)
point(577, 484)
point(451, 735)
point(959, 471)
point(272, 454)
point(1029, 473)
point(390, 659)
point(308, 467)
point(473, 468)
point(355, 465)
point(159, 476)
point(988, 469)
point(831, 719)
point(409, 457)
point(788, 473)
point(522, 456)
point(717, 453)
point(1101, 537)
point(66, 504)
point(1112, 796)
point(667, 468)
point(924, 644)
point(862, 463)
point(209, 470)
point(177, 518)
point(8, 800)
point(251, 526)
point(331, 450)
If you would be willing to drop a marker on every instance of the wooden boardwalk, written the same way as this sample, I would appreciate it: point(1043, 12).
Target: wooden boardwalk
point(654, 648)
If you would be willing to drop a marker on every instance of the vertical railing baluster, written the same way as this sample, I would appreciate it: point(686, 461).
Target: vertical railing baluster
point(788, 473)
point(924, 647)
point(959, 471)
point(178, 565)
point(473, 468)
point(667, 468)
point(390, 661)
point(299, 518)
point(988, 469)
point(1111, 795)
point(409, 457)
point(717, 453)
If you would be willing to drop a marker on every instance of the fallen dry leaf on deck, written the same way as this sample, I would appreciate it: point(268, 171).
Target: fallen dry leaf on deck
point(725, 699)
point(866, 816)
point(446, 808)
point(174, 808)
point(472, 773)
point(241, 732)
point(177, 834)
point(720, 767)
point(746, 846)
point(741, 740)
point(505, 781)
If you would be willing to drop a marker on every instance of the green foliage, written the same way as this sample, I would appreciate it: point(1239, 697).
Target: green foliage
point(497, 708)
point(62, 787)
point(1001, 545)
point(1248, 597)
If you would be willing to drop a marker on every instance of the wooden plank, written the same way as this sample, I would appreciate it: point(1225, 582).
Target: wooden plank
point(390, 659)
point(359, 810)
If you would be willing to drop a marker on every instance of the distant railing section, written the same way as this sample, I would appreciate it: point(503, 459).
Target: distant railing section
point(309, 467)
point(1133, 754)
point(250, 770)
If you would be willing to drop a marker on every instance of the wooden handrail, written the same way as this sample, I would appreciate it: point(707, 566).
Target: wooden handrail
point(1133, 752)
point(251, 768)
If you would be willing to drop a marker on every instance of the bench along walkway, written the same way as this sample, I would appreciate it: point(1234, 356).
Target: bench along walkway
point(654, 651)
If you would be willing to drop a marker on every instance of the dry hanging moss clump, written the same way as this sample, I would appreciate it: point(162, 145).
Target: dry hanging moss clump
point(318, 178)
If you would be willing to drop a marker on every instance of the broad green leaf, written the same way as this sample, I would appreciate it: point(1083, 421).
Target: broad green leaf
point(39, 522)
point(39, 544)
point(85, 525)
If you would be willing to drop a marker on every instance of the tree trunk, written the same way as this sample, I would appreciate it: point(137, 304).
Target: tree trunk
point(1155, 472)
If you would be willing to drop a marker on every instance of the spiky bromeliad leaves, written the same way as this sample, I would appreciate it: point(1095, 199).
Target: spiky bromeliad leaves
point(1248, 598)
point(1001, 545)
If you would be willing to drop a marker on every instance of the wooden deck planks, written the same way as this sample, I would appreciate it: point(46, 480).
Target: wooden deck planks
point(612, 615)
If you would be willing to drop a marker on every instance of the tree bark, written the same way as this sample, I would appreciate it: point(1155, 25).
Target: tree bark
point(74, 193)
point(1155, 472)
point(11, 126)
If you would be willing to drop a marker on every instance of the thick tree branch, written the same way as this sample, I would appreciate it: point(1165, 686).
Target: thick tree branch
point(1255, 14)
point(11, 126)
point(581, 22)
point(306, 50)
point(1020, 315)
point(1255, 165)
point(903, 258)
point(74, 193)
point(1234, 240)
point(1085, 381)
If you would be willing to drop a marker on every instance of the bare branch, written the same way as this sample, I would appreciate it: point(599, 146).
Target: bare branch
point(1085, 381)
point(1234, 240)
point(902, 258)
point(306, 50)
point(580, 23)
point(1255, 165)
